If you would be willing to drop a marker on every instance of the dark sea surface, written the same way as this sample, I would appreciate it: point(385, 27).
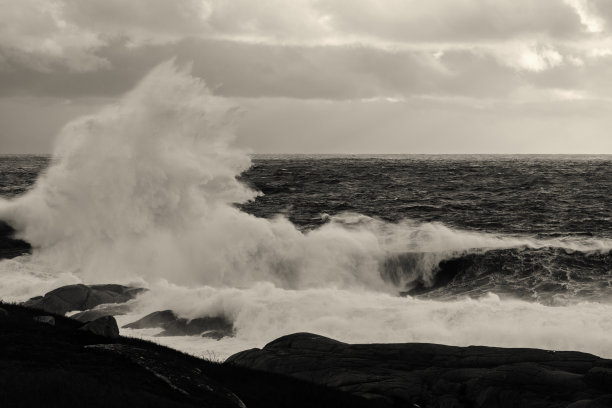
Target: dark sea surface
point(561, 202)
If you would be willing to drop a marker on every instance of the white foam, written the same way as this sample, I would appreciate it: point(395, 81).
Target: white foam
point(265, 312)
point(143, 191)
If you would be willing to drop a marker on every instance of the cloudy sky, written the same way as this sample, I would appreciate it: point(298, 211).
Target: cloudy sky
point(327, 76)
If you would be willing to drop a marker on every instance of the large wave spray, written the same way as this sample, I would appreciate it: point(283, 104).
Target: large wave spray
point(144, 190)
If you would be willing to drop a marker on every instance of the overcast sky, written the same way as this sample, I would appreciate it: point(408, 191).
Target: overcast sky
point(327, 76)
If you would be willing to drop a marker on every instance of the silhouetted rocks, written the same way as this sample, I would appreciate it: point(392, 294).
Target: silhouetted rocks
point(82, 297)
point(172, 325)
point(184, 379)
point(153, 320)
point(10, 247)
point(104, 326)
point(62, 366)
point(101, 311)
point(213, 327)
point(50, 320)
point(432, 375)
point(3, 314)
point(299, 370)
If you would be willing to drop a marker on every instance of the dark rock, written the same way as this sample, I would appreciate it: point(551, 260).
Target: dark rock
point(101, 311)
point(600, 377)
point(437, 375)
point(64, 367)
point(153, 320)
point(3, 313)
point(217, 334)
point(199, 326)
point(104, 326)
point(10, 247)
point(82, 297)
point(50, 320)
point(180, 376)
point(172, 325)
point(34, 298)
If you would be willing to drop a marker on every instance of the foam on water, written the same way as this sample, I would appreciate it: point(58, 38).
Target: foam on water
point(143, 193)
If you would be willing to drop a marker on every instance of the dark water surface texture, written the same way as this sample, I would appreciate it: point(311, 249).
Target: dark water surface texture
point(541, 195)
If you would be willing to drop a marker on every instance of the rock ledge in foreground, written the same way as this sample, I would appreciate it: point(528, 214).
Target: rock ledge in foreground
point(61, 366)
point(434, 375)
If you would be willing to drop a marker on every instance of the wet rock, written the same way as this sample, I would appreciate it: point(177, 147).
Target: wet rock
point(437, 375)
point(82, 297)
point(217, 334)
point(215, 327)
point(50, 320)
point(104, 326)
point(101, 311)
point(153, 320)
point(172, 325)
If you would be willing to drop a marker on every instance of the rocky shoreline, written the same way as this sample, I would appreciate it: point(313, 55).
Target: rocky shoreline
point(50, 360)
point(435, 375)
point(53, 361)
point(297, 370)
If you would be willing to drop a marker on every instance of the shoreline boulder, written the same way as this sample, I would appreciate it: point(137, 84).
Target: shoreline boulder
point(110, 309)
point(82, 297)
point(104, 326)
point(211, 327)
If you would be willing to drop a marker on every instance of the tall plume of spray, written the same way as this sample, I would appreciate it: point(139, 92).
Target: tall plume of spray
point(144, 189)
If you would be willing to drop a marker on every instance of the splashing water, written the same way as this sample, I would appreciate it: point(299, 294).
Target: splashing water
point(144, 191)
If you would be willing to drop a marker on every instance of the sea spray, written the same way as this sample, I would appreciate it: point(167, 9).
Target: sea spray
point(264, 312)
point(143, 192)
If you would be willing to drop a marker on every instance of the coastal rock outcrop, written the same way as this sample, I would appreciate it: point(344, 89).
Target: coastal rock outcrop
point(101, 311)
point(104, 326)
point(173, 325)
point(153, 320)
point(62, 366)
point(82, 297)
point(437, 375)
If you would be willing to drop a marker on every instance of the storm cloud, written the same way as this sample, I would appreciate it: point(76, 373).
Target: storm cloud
point(65, 57)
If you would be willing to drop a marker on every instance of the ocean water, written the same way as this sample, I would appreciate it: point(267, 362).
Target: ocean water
point(554, 211)
point(489, 250)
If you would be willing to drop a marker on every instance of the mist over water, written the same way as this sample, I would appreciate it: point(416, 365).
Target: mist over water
point(145, 192)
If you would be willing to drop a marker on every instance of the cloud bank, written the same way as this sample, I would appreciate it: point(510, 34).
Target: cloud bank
point(485, 53)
